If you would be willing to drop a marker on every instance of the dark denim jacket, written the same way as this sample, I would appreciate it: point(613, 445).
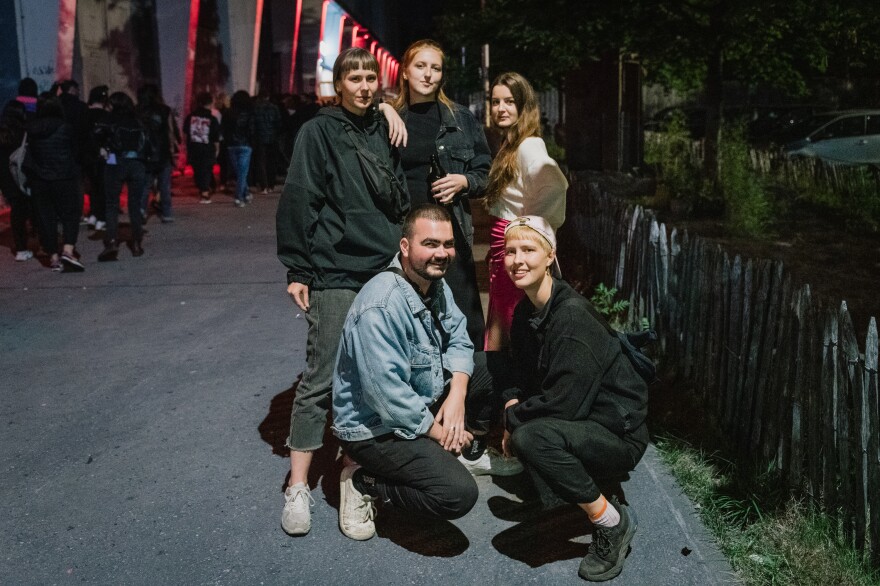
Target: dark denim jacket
point(462, 147)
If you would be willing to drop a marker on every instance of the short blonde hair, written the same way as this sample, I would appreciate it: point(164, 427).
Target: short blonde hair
point(526, 233)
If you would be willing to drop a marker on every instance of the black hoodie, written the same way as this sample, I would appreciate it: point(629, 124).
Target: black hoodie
point(330, 233)
point(569, 367)
point(51, 150)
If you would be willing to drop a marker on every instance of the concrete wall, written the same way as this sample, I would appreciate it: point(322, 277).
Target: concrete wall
point(10, 68)
point(37, 40)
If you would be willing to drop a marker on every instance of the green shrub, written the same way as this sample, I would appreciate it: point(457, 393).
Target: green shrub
point(746, 201)
point(675, 159)
point(603, 301)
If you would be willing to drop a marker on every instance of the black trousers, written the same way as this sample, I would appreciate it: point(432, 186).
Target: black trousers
point(418, 475)
point(21, 210)
point(133, 173)
point(57, 201)
point(97, 191)
point(575, 458)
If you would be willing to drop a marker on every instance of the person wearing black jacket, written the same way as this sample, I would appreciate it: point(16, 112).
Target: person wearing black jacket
point(126, 164)
point(54, 178)
point(95, 121)
point(238, 135)
point(332, 238)
point(12, 125)
point(446, 161)
point(576, 415)
point(163, 137)
point(202, 131)
point(267, 124)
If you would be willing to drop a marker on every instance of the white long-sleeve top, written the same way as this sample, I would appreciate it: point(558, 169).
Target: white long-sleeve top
point(539, 188)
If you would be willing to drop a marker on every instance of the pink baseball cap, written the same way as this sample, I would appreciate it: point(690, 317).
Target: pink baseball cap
point(542, 227)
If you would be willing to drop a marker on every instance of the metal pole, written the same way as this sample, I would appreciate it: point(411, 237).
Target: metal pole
point(484, 71)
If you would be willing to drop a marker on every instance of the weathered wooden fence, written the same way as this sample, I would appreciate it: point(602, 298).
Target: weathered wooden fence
point(783, 369)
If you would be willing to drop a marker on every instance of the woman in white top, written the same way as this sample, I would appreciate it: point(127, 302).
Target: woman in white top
point(523, 181)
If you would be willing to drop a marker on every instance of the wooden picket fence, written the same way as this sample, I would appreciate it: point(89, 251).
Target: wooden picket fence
point(782, 368)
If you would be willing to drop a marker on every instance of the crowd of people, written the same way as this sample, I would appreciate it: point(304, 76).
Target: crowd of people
point(374, 227)
point(65, 149)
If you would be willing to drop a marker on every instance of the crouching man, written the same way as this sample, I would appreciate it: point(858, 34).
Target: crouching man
point(401, 383)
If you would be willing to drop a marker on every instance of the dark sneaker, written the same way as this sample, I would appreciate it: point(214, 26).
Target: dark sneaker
point(110, 252)
point(71, 263)
point(604, 559)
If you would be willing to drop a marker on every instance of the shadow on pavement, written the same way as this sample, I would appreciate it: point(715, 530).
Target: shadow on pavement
point(544, 537)
point(422, 535)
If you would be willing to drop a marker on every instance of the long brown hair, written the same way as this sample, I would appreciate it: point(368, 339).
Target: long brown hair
point(402, 99)
point(528, 124)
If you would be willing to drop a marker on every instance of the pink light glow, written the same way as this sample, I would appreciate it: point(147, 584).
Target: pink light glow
point(291, 83)
point(191, 53)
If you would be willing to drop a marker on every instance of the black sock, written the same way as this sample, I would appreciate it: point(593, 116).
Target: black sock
point(478, 446)
point(364, 483)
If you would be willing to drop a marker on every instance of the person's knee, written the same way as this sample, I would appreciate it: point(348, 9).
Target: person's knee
point(459, 498)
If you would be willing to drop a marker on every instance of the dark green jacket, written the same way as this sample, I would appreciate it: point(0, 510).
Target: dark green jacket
point(330, 234)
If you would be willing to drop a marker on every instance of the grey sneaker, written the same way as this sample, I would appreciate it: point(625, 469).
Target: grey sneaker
point(23, 255)
point(492, 463)
point(356, 510)
point(604, 559)
point(296, 519)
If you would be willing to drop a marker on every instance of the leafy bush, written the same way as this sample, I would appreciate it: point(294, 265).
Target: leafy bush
point(747, 205)
point(675, 159)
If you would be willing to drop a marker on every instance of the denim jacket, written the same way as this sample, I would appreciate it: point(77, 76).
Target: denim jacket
point(394, 361)
point(463, 150)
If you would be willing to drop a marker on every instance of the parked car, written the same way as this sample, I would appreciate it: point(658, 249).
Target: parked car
point(850, 137)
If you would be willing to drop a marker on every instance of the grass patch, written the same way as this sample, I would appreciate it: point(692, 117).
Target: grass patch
point(767, 537)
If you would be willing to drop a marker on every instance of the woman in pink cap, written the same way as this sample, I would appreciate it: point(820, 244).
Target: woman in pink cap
point(523, 180)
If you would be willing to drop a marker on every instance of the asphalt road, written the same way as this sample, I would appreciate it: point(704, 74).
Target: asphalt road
point(143, 412)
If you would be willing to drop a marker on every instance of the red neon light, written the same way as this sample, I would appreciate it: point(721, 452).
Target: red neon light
point(341, 30)
point(354, 35)
point(66, 31)
point(321, 40)
point(291, 85)
point(190, 53)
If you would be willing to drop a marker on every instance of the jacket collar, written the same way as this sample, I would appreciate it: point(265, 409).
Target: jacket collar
point(560, 292)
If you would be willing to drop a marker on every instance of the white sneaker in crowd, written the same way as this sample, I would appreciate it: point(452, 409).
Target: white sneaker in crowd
point(23, 255)
point(356, 511)
point(99, 225)
point(296, 519)
point(492, 463)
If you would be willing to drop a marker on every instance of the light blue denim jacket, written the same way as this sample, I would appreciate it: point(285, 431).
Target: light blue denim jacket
point(393, 361)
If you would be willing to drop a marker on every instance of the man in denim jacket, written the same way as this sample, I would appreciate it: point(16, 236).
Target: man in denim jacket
point(401, 382)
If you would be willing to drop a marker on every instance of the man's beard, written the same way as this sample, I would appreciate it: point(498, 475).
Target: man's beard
point(424, 273)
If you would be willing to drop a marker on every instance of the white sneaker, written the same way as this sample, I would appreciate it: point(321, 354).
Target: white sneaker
point(91, 220)
point(23, 255)
point(356, 510)
point(99, 225)
point(296, 518)
point(492, 462)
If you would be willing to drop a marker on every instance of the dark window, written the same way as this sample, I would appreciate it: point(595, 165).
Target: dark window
point(873, 124)
point(851, 126)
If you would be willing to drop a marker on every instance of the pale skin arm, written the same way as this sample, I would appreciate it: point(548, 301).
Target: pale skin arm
point(451, 415)
point(505, 440)
point(396, 127)
point(300, 295)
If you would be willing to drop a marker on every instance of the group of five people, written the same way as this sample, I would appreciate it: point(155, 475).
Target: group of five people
point(396, 342)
